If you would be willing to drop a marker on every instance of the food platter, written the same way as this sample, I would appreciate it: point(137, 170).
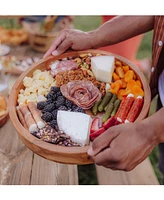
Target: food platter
point(5, 116)
point(64, 154)
point(16, 65)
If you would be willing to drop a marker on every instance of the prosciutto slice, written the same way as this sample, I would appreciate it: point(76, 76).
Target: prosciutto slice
point(60, 66)
point(81, 92)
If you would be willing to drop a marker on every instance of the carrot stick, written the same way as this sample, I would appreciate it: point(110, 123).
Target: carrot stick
point(36, 114)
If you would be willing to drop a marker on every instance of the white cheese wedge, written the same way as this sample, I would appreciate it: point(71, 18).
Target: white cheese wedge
point(76, 125)
point(103, 67)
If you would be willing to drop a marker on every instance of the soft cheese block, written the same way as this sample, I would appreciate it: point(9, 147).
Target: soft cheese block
point(76, 125)
point(103, 67)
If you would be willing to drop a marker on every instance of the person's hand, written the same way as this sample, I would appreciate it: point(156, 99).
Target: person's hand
point(123, 147)
point(70, 39)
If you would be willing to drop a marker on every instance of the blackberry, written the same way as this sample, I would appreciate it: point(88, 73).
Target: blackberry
point(53, 123)
point(59, 93)
point(49, 101)
point(74, 107)
point(41, 105)
point(49, 108)
point(54, 114)
point(60, 101)
point(78, 109)
point(51, 95)
point(55, 89)
point(62, 108)
point(47, 117)
point(68, 103)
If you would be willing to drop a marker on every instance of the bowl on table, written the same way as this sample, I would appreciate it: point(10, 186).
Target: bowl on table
point(62, 154)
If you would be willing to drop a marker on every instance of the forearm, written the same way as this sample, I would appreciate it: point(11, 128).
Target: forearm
point(154, 125)
point(121, 28)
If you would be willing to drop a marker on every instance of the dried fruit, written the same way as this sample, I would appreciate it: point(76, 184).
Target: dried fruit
point(129, 75)
point(131, 84)
point(115, 87)
point(120, 72)
point(137, 91)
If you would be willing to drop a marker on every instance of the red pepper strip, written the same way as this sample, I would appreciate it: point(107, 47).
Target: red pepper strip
point(97, 133)
point(116, 122)
point(125, 108)
point(135, 110)
point(110, 122)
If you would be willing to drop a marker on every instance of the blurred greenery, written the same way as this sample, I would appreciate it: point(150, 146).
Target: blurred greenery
point(145, 49)
point(10, 23)
point(87, 173)
point(86, 23)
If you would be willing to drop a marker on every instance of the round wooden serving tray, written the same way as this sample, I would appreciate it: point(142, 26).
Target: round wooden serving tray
point(68, 155)
point(4, 118)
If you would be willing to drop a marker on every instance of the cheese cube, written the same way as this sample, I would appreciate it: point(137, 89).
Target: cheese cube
point(103, 67)
point(76, 125)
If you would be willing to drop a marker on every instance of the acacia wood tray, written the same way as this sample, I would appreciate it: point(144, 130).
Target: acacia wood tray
point(67, 155)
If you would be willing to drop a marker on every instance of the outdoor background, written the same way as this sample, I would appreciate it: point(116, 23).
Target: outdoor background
point(86, 23)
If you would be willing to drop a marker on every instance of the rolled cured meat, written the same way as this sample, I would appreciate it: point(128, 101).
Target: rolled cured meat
point(60, 66)
point(36, 114)
point(81, 92)
point(31, 124)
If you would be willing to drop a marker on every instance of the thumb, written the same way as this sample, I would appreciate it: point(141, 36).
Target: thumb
point(103, 141)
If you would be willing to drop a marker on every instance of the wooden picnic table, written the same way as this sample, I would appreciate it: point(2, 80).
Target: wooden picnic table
point(20, 166)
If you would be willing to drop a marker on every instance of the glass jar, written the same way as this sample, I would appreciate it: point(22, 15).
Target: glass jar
point(3, 82)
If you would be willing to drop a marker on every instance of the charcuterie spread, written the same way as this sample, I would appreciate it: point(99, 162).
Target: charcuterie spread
point(76, 99)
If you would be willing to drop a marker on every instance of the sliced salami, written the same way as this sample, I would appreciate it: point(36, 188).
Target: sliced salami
point(62, 66)
point(81, 92)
